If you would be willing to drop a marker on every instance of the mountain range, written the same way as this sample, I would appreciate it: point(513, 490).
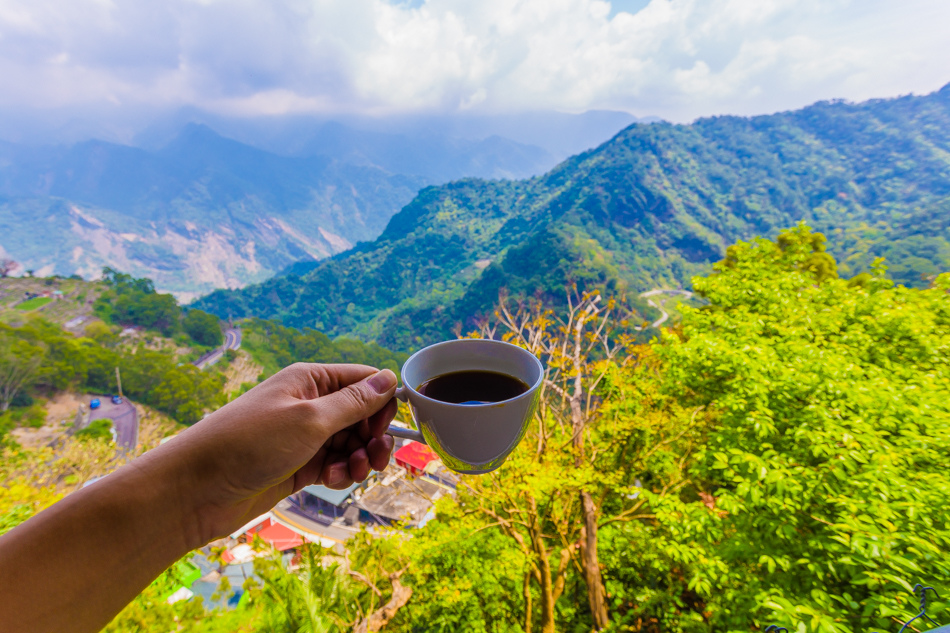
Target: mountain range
point(198, 211)
point(652, 207)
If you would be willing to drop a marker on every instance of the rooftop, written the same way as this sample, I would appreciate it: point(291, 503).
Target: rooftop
point(336, 497)
point(415, 454)
point(401, 498)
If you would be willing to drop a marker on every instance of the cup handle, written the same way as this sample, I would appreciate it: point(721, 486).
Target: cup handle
point(406, 434)
point(401, 394)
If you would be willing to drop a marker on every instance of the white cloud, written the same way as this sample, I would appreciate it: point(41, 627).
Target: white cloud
point(674, 58)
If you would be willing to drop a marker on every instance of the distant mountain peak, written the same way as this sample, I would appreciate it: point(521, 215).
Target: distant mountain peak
point(652, 207)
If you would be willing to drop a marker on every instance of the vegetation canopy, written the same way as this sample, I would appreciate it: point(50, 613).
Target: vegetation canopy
point(776, 457)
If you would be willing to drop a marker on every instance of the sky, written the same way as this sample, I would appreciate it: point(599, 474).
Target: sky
point(676, 59)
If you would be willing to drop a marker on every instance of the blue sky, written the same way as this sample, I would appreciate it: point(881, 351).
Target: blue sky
point(677, 59)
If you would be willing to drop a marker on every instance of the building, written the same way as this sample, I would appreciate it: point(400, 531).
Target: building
point(279, 536)
point(398, 498)
point(414, 457)
point(323, 504)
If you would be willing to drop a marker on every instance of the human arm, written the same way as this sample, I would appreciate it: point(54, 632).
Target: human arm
point(75, 565)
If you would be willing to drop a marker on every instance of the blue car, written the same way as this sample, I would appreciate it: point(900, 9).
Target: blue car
point(95, 403)
point(116, 400)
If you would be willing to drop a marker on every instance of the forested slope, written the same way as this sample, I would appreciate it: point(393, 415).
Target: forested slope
point(654, 206)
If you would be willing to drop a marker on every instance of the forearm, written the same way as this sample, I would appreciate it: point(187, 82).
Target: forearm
point(74, 566)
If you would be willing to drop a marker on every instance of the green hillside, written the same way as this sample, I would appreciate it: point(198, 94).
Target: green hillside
point(652, 207)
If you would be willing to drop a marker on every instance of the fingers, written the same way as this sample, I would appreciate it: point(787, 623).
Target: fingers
point(336, 475)
point(340, 470)
point(379, 421)
point(379, 450)
point(358, 464)
point(354, 402)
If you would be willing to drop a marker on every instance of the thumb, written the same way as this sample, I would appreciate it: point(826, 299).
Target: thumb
point(355, 402)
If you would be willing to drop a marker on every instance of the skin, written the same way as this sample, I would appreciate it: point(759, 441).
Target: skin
point(74, 566)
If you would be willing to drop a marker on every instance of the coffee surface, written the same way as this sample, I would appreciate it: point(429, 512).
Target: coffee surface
point(472, 387)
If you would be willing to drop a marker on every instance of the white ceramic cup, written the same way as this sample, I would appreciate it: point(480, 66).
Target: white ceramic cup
point(470, 438)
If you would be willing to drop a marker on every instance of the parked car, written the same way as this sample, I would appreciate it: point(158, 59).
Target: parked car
point(116, 400)
point(95, 403)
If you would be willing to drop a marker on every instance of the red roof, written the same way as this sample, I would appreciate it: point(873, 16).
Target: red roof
point(281, 537)
point(415, 454)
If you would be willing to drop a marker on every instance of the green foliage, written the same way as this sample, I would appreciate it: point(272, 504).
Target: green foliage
point(651, 208)
point(19, 361)
point(317, 599)
point(276, 346)
point(131, 301)
point(203, 328)
point(32, 416)
point(466, 578)
point(97, 430)
point(780, 458)
point(326, 594)
point(152, 377)
point(826, 466)
point(34, 303)
point(150, 611)
point(14, 517)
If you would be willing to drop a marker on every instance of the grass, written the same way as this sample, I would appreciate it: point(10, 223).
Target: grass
point(34, 303)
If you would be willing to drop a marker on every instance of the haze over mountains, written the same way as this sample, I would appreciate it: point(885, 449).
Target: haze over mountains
point(651, 207)
point(196, 211)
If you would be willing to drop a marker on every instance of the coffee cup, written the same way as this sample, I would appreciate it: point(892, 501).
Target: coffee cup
point(471, 438)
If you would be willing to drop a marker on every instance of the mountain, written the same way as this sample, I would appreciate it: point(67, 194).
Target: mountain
point(203, 212)
point(199, 211)
point(436, 158)
point(653, 206)
point(418, 141)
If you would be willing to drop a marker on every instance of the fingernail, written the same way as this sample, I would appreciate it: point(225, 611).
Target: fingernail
point(383, 381)
point(336, 475)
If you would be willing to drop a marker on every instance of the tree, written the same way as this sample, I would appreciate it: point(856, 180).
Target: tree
point(203, 328)
point(826, 463)
point(329, 593)
point(575, 472)
point(19, 362)
point(131, 301)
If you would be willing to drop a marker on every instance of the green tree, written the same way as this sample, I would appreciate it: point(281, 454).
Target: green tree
point(360, 591)
point(131, 301)
point(825, 469)
point(19, 362)
point(203, 328)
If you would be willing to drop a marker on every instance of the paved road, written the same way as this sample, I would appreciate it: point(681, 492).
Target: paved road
point(232, 340)
point(288, 514)
point(125, 420)
point(663, 312)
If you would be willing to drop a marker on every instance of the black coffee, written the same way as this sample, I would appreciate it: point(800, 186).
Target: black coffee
point(472, 387)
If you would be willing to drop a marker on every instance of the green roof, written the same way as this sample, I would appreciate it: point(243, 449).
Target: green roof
point(336, 497)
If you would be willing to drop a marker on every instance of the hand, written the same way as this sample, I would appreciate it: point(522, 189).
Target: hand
point(78, 562)
point(307, 424)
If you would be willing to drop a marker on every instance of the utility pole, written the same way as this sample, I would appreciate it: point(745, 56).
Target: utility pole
point(118, 381)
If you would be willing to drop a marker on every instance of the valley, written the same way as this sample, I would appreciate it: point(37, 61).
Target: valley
point(195, 210)
point(651, 208)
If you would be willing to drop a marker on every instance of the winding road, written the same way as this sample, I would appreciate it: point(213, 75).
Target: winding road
point(660, 291)
point(232, 340)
